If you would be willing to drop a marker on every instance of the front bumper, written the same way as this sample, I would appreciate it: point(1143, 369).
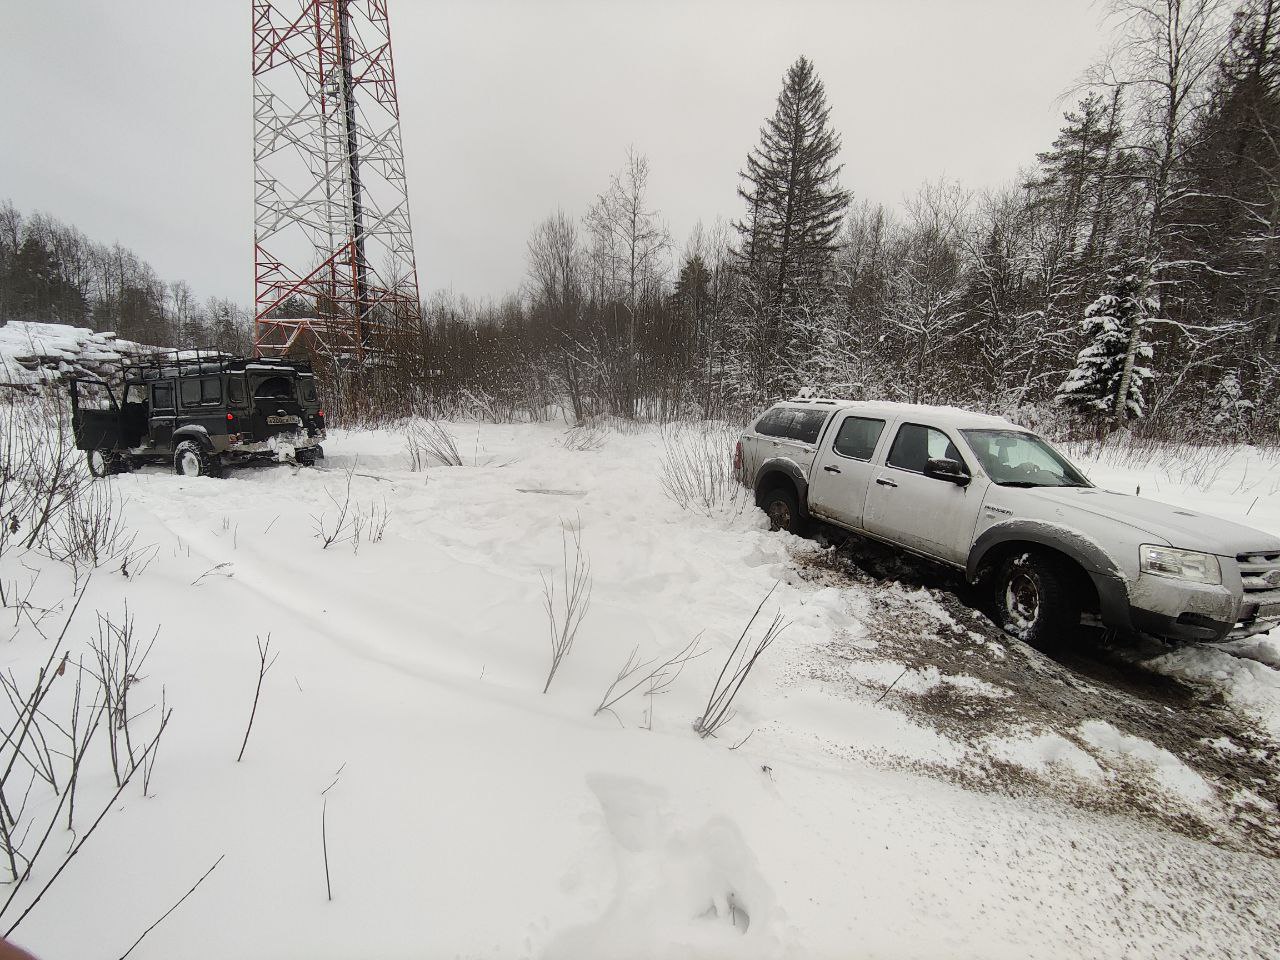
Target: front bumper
point(1196, 612)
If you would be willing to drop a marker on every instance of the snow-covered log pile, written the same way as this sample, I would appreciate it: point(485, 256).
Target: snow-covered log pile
point(37, 353)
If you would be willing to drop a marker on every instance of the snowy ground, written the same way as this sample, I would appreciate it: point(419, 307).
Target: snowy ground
point(962, 813)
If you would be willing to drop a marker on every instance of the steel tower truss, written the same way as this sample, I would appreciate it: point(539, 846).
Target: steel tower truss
point(333, 248)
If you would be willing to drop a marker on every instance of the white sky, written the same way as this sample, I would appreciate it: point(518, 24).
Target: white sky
point(131, 118)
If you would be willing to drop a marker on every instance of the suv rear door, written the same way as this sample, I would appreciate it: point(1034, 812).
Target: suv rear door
point(274, 401)
point(844, 467)
point(926, 514)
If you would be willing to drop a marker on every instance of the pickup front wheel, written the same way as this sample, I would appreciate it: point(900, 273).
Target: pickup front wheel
point(1036, 600)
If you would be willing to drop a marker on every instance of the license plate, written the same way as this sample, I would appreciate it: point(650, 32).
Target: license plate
point(275, 421)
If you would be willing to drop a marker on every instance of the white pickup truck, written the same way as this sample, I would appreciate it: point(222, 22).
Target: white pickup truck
point(995, 500)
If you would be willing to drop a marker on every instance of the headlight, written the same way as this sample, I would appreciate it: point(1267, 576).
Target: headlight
point(1179, 564)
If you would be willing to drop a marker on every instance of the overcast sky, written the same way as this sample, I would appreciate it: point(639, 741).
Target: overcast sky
point(132, 118)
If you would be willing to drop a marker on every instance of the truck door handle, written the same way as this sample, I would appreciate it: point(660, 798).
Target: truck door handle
point(885, 482)
point(831, 469)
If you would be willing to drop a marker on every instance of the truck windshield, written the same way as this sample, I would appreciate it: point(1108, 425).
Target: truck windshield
point(1014, 458)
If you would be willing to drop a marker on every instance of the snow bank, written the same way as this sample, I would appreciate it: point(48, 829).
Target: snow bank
point(475, 816)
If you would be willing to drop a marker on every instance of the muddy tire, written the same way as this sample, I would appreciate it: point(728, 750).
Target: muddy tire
point(783, 510)
point(190, 460)
point(1037, 600)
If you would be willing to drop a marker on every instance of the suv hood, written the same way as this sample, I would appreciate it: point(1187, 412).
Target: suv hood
point(1177, 526)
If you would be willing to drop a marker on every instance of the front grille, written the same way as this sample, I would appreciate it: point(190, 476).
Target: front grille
point(1259, 572)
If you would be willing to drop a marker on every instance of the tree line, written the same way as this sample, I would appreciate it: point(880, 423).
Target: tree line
point(52, 273)
point(1128, 278)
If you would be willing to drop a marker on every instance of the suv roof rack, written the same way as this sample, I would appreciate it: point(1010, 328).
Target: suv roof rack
point(182, 363)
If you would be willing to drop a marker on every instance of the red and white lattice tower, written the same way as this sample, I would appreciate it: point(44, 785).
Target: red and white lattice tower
point(333, 250)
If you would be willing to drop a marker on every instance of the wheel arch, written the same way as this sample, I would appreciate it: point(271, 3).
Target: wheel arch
point(194, 432)
point(1104, 586)
point(781, 472)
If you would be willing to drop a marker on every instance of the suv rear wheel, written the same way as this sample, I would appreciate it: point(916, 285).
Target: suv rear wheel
point(1036, 599)
point(190, 460)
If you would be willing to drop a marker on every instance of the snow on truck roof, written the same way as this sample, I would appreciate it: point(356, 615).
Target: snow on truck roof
point(956, 417)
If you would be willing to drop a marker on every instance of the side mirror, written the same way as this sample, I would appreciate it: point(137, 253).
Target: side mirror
point(949, 470)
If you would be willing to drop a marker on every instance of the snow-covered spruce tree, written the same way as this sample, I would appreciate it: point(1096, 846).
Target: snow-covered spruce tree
point(1093, 387)
point(795, 208)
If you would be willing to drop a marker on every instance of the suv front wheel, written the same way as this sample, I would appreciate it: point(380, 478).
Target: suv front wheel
point(190, 460)
point(1036, 600)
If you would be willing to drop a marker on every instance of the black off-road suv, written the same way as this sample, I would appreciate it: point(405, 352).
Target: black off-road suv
point(200, 411)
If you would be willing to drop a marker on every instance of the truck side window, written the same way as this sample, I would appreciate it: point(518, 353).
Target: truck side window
point(916, 444)
point(162, 396)
point(802, 426)
point(806, 425)
point(858, 437)
point(771, 424)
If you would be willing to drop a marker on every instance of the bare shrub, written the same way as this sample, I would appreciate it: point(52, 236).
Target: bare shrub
point(339, 527)
point(586, 435)
point(264, 665)
point(52, 753)
point(567, 606)
point(119, 658)
point(369, 524)
point(656, 679)
point(430, 444)
point(737, 667)
point(696, 470)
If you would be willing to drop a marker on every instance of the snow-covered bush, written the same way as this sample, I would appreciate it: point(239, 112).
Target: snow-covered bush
point(430, 444)
point(696, 469)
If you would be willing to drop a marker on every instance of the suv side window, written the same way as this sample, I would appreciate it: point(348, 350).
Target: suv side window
point(858, 437)
point(162, 396)
point(235, 389)
point(915, 444)
point(201, 391)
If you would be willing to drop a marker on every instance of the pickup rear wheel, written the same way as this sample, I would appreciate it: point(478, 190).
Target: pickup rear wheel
point(783, 510)
point(1036, 599)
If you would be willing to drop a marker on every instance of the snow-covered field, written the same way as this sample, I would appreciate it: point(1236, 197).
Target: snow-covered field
point(845, 811)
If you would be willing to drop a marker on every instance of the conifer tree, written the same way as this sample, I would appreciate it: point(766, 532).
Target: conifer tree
point(1093, 387)
point(795, 205)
